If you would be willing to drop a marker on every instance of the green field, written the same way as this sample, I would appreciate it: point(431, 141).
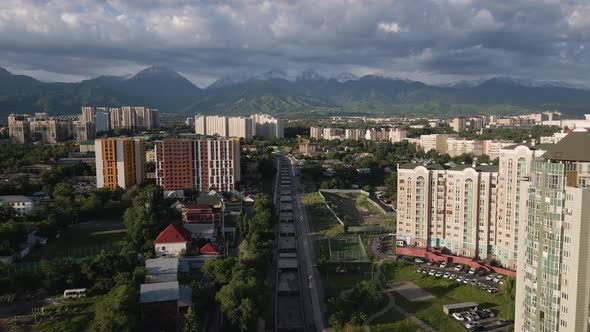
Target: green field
point(321, 220)
point(356, 210)
point(393, 321)
point(83, 240)
point(445, 292)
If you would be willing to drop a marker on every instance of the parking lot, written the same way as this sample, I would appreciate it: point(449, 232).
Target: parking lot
point(480, 320)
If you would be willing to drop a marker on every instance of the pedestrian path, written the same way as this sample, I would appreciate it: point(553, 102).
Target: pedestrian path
point(392, 305)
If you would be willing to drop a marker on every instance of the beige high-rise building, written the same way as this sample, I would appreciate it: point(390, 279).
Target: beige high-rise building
point(50, 131)
point(120, 162)
point(266, 126)
point(128, 118)
point(553, 276)
point(216, 125)
point(83, 131)
point(239, 126)
point(200, 124)
point(354, 134)
point(458, 124)
point(116, 118)
point(436, 205)
point(514, 166)
point(397, 135)
point(88, 113)
point(492, 148)
point(437, 142)
point(447, 208)
point(458, 146)
point(316, 132)
point(19, 129)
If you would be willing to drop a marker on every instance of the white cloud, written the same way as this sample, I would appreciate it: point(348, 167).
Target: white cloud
point(390, 27)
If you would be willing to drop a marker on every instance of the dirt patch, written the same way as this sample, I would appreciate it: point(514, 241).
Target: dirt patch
point(410, 291)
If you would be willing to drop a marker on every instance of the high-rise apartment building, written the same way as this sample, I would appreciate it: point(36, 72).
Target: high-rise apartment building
point(472, 211)
point(316, 132)
point(397, 135)
point(457, 146)
point(240, 126)
point(19, 129)
point(203, 165)
point(48, 130)
point(120, 162)
point(354, 134)
point(447, 208)
point(492, 148)
point(83, 131)
point(266, 126)
point(458, 124)
point(134, 118)
point(437, 142)
point(102, 121)
point(553, 279)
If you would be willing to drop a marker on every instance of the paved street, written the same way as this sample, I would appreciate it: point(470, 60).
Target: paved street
point(312, 291)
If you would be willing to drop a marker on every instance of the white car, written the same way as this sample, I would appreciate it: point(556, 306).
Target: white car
point(419, 261)
point(472, 270)
point(459, 278)
point(443, 265)
point(438, 274)
point(470, 325)
point(458, 268)
point(446, 275)
point(432, 272)
point(458, 316)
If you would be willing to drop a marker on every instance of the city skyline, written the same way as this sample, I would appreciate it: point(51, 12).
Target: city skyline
point(433, 42)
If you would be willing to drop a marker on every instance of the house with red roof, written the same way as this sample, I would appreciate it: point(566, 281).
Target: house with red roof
point(208, 249)
point(171, 241)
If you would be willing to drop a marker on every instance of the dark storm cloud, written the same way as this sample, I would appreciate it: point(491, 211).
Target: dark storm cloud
point(430, 40)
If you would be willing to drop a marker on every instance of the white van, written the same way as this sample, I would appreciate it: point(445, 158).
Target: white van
point(74, 293)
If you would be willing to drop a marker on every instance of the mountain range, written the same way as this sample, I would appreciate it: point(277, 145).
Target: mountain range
point(277, 92)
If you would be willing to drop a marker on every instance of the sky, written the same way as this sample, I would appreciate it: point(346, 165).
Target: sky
point(434, 41)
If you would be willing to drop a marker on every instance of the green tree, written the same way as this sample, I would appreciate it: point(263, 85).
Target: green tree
point(7, 213)
point(219, 270)
point(115, 311)
point(391, 184)
point(60, 274)
point(191, 322)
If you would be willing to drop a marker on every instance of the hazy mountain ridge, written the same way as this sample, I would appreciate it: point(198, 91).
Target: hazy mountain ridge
point(275, 91)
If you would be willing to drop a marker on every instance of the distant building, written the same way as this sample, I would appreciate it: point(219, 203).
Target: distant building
point(224, 126)
point(397, 135)
point(84, 131)
point(120, 162)
point(240, 126)
point(458, 124)
point(458, 146)
point(19, 129)
point(22, 204)
point(266, 126)
point(316, 133)
point(87, 146)
point(133, 118)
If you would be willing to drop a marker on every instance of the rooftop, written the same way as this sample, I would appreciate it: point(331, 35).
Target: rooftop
point(161, 269)
point(159, 292)
point(573, 147)
point(173, 234)
point(15, 198)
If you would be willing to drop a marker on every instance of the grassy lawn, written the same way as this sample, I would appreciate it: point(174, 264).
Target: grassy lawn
point(334, 283)
point(356, 209)
point(84, 239)
point(445, 292)
point(321, 219)
point(393, 321)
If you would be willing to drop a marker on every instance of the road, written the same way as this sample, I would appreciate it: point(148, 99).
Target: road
point(313, 305)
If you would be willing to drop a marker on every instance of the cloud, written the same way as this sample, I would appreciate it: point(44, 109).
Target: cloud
point(432, 40)
point(391, 27)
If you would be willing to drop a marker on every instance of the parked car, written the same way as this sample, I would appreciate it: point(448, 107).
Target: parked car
point(458, 316)
point(458, 268)
point(503, 322)
point(476, 328)
point(490, 277)
point(424, 270)
point(469, 317)
point(465, 281)
point(419, 261)
point(459, 278)
point(453, 276)
point(443, 265)
point(489, 312)
point(429, 263)
point(446, 275)
point(472, 270)
point(438, 274)
point(492, 290)
point(432, 272)
point(418, 270)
